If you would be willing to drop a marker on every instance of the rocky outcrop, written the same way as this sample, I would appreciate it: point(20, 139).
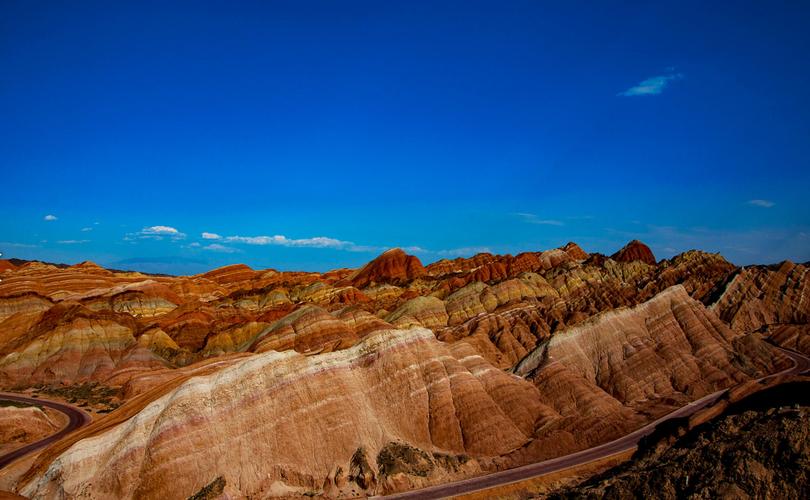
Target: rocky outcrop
point(309, 329)
point(20, 425)
point(796, 337)
point(757, 297)
point(393, 266)
point(574, 251)
point(635, 250)
point(607, 375)
point(308, 425)
point(25, 303)
point(759, 448)
point(69, 344)
point(429, 312)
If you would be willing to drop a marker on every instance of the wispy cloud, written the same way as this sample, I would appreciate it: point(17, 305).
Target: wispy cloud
point(156, 233)
point(281, 240)
point(86, 229)
point(534, 219)
point(463, 251)
point(17, 245)
point(415, 249)
point(210, 236)
point(50, 218)
point(336, 244)
point(761, 203)
point(651, 86)
point(451, 252)
point(72, 242)
point(216, 247)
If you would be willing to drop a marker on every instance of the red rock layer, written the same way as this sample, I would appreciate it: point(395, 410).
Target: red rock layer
point(393, 266)
point(575, 251)
point(635, 250)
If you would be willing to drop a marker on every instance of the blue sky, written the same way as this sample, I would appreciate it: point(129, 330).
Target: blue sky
point(312, 135)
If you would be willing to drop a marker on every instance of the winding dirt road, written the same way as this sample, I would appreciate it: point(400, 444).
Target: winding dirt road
point(76, 418)
point(625, 443)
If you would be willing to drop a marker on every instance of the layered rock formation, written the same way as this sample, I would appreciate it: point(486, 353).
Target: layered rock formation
point(606, 376)
point(575, 251)
point(397, 407)
point(501, 305)
point(391, 267)
point(760, 296)
point(20, 425)
point(69, 344)
point(383, 378)
point(633, 251)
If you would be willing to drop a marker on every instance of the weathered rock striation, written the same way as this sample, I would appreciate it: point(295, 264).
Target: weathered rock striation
point(609, 374)
point(300, 424)
point(758, 297)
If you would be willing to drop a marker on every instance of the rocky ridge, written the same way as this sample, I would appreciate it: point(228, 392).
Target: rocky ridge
point(548, 351)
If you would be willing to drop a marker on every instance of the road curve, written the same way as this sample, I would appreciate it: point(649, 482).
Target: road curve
point(76, 418)
point(801, 364)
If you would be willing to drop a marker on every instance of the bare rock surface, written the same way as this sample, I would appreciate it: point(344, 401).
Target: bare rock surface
point(758, 448)
point(294, 420)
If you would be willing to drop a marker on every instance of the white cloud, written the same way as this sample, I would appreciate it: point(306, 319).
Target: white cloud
point(651, 86)
point(415, 249)
point(533, 219)
point(156, 233)
point(333, 243)
point(166, 230)
point(211, 236)
point(50, 217)
point(72, 242)
point(86, 229)
point(194, 244)
point(452, 252)
point(216, 247)
point(280, 240)
point(761, 203)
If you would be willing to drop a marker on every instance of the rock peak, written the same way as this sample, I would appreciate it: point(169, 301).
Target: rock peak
point(86, 264)
point(391, 266)
point(635, 250)
point(575, 251)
